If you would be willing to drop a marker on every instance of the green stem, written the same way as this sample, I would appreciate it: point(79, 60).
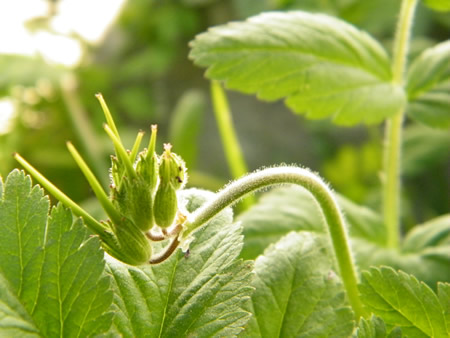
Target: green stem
point(230, 141)
point(108, 115)
point(393, 132)
point(137, 144)
point(107, 205)
point(85, 133)
point(121, 152)
point(323, 195)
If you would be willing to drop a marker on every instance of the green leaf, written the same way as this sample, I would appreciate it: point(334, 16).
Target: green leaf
point(374, 328)
point(52, 267)
point(297, 293)
point(186, 124)
point(201, 295)
point(26, 70)
point(287, 209)
point(422, 148)
point(428, 87)
point(444, 298)
point(321, 65)
point(370, 329)
point(435, 232)
point(294, 209)
point(14, 319)
point(401, 300)
point(438, 5)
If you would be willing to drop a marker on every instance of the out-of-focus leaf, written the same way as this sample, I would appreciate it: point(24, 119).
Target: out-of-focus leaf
point(297, 293)
point(200, 295)
point(428, 87)
point(51, 266)
point(401, 300)
point(432, 233)
point(186, 124)
point(138, 103)
point(438, 5)
point(423, 147)
point(25, 70)
point(323, 66)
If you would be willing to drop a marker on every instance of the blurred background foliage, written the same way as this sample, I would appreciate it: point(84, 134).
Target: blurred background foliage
point(138, 60)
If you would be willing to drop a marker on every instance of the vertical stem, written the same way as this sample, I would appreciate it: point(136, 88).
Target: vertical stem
point(322, 194)
point(85, 133)
point(230, 141)
point(393, 132)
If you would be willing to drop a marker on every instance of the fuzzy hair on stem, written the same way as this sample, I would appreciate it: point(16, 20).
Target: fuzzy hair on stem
point(323, 195)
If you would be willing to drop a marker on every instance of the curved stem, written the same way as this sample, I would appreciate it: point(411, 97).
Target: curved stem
point(324, 197)
point(393, 133)
point(166, 253)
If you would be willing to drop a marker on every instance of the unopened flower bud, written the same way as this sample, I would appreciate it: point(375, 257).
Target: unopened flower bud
point(172, 175)
point(127, 243)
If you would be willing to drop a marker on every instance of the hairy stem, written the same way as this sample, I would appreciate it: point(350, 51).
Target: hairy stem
point(322, 194)
point(393, 133)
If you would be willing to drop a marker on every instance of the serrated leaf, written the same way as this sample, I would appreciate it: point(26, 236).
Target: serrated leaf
point(297, 293)
point(401, 300)
point(54, 268)
point(373, 328)
point(321, 65)
point(200, 295)
point(438, 5)
point(428, 87)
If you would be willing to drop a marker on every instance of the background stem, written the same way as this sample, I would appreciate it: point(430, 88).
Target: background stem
point(393, 132)
point(322, 194)
point(86, 135)
point(230, 142)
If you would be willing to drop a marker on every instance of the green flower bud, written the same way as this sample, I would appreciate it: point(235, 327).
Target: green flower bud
point(126, 243)
point(172, 175)
point(133, 196)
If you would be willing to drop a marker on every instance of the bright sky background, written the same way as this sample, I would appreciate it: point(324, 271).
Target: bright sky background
point(88, 18)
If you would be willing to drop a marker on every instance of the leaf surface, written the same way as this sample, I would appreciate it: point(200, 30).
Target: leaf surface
point(401, 300)
point(444, 298)
point(201, 295)
point(428, 86)
point(321, 65)
point(374, 328)
point(287, 209)
point(297, 293)
point(51, 269)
